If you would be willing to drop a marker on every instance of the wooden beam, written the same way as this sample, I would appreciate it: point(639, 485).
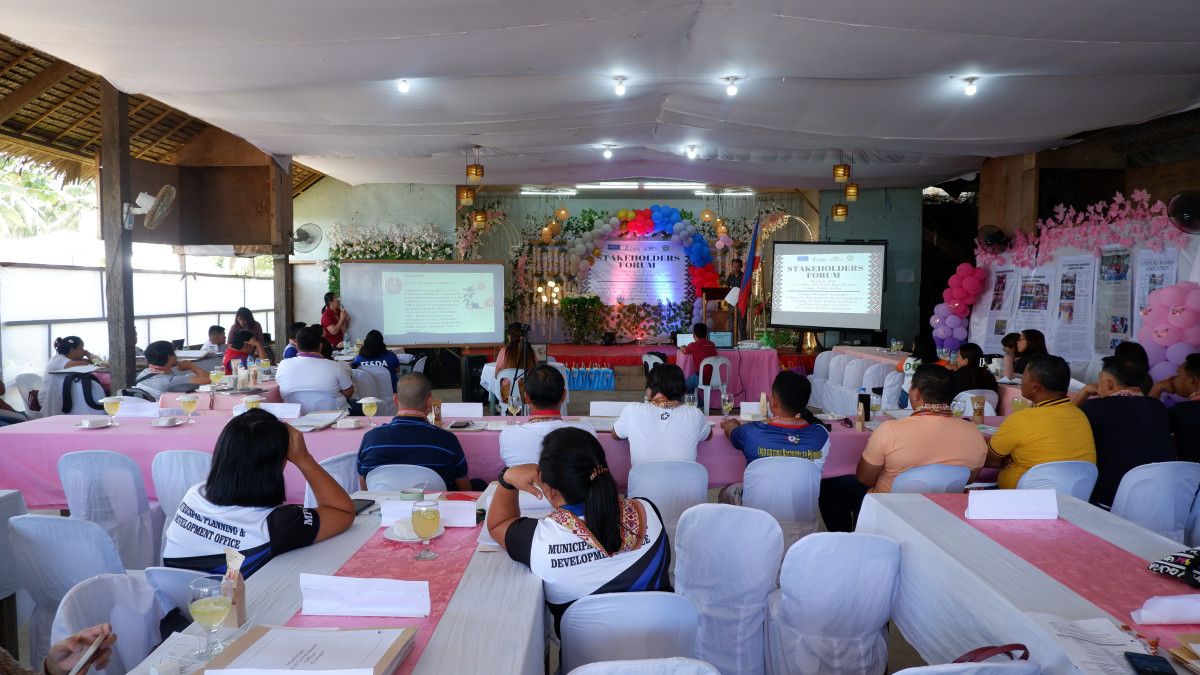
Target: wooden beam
point(17, 61)
point(307, 183)
point(164, 137)
point(26, 93)
point(114, 191)
point(281, 240)
point(67, 99)
point(137, 133)
point(66, 152)
point(83, 119)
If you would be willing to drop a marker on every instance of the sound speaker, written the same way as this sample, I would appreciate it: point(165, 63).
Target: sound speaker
point(471, 370)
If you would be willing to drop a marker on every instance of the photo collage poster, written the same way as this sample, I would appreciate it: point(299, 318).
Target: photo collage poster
point(1036, 301)
point(1001, 297)
point(1073, 307)
point(1154, 270)
point(1114, 299)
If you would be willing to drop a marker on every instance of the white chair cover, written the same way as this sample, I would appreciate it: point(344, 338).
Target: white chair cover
point(404, 476)
point(606, 408)
point(419, 366)
point(673, 666)
point(728, 561)
point(344, 469)
point(892, 384)
point(313, 401)
point(990, 404)
point(831, 619)
point(107, 488)
point(364, 385)
point(932, 479)
point(27, 382)
point(982, 668)
point(626, 626)
point(174, 472)
point(819, 376)
point(383, 381)
point(1159, 497)
point(833, 381)
point(470, 410)
point(125, 602)
point(716, 381)
point(1065, 478)
point(12, 504)
point(132, 406)
point(674, 486)
point(53, 554)
point(171, 587)
point(875, 376)
point(846, 394)
point(787, 488)
point(53, 404)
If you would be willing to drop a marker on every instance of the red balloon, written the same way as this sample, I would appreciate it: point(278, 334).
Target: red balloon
point(960, 293)
point(965, 269)
point(981, 273)
point(956, 281)
point(947, 295)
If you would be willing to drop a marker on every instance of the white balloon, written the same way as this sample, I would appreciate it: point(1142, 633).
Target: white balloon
point(686, 223)
point(606, 229)
point(574, 258)
point(598, 222)
point(579, 249)
point(614, 221)
point(677, 227)
point(691, 230)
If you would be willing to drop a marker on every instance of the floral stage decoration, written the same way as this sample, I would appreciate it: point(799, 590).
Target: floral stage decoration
point(391, 241)
point(469, 235)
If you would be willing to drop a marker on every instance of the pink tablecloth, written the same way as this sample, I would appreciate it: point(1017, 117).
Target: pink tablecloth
point(872, 353)
point(1007, 393)
point(222, 401)
point(751, 373)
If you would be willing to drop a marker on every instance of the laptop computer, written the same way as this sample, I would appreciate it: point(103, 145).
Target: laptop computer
point(684, 339)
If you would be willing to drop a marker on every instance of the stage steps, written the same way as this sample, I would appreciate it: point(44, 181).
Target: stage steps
point(629, 378)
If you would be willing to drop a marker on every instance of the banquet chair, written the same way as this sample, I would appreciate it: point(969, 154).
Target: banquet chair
point(991, 401)
point(383, 380)
point(12, 505)
point(819, 376)
point(1159, 497)
point(606, 408)
point(932, 479)
point(649, 361)
point(126, 602)
point(344, 469)
point(728, 562)
point(845, 394)
point(715, 381)
point(1065, 478)
point(833, 381)
point(170, 586)
point(787, 488)
point(674, 486)
point(468, 410)
point(107, 488)
point(27, 382)
point(626, 626)
point(364, 385)
point(891, 389)
point(419, 366)
point(56, 404)
point(1029, 667)
point(53, 554)
point(672, 666)
point(173, 473)
point(404, 476)
point(875, 376)
point(833, 618)
point(506, 378)
point(312, 401)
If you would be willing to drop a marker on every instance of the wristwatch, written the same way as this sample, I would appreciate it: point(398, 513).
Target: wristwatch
point(500, 479)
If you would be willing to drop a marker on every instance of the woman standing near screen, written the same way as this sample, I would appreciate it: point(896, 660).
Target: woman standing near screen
point(334, 320)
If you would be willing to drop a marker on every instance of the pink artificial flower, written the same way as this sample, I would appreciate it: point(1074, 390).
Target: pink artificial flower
point(1119, 199)
point(1158, 207)
point(1140, 195)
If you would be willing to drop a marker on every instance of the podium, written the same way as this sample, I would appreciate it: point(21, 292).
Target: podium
point(725, 315)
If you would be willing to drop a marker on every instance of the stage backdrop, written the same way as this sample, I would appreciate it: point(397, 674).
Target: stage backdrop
point(640, 271)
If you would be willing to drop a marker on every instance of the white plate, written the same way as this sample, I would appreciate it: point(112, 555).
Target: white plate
point(391, 534)
point(712, 423)
point(829, 416)
point(79, 425)
point(169, 426)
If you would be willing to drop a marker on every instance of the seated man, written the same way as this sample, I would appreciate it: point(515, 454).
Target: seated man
point(160, 376)
point(664, 428)
point(699, 349)
point(216, 339)
point(241, 345)
point(292, 350)
point(410, 439)
point(545, 390)
point(930, 435)
point(789, 432)
point(1051, 430)
point(310, 371)
point(1184, 415)
point(1129, 429)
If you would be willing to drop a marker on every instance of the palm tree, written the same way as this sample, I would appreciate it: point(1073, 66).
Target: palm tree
point(34, 199)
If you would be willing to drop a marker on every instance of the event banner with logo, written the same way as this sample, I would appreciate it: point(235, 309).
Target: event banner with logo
point(635, 272)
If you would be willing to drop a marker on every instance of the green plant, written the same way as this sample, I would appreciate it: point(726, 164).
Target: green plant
point(583, 316)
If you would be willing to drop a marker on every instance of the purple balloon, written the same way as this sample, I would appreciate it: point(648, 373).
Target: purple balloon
point(960, 333)
point(942, 332)
point(1163, 370)
point(936, 320)
point(1178, 352)
point(942, 309)
point(954, 321)
point(938, 341)
point(1155, 353)
point(952, 343)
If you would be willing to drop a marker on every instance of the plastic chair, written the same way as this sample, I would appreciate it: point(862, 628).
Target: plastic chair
point(982, 668)
point(819, 377)
point(469, 410)
point(1065, 478)
point(892, 384)
point(728, 562)
point(384, 391)
point(607, 408)
point(1159, 497)
point(27, 382)
point(672, 666)
point(54, 404)
point(932, 479)
point(12, 505)
point(404, 476)
point(170, 586)
point(173, 473)
point(674, 486)
point(53, 554)
point(649, 361)
point(505, 378)
point(833, 618)
point(787, 488)
point(419, 366)
point(107, 488)
point(990, 404)
point(344, 469)
point(627, 626)
point(313, 401)
point(715, 381)
point(125, 602)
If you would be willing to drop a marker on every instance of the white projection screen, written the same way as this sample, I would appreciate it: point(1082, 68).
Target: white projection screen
point(827, 285)
point(426, 303)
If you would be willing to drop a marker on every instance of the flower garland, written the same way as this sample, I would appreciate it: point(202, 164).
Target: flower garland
point(1121, 222)
point(468, 235)
point(392, 241)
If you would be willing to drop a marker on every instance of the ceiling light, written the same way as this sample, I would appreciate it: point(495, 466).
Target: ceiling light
point(475, 171)
point(479, 219)
point(841, 172)
point(691, 152)
point(402, 85)
point(534, 191)
point(674, 186)
point(732, 88)
point(839, 212)
point(608, 150)
point(611, 185)
point(851, 192)
point(620, 88)
point(466, 195)
point(971, 88)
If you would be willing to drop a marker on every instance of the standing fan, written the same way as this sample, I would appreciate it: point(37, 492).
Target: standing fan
point(154, 208)
point(1184, 211)
point(306, 238)
point(992, 239)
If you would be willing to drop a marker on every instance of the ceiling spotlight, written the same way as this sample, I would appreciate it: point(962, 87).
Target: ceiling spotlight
point(971, 88)
point(620, 88)
point(691, 152)
point(732, 88)
point(402, 85)
point(608, 150)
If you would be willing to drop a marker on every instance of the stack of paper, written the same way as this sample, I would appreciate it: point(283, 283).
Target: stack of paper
point(315, 421)
point(1188, 651)
point(373, 651)
point(1012, 504)
point(352, 596)
point(600, 423)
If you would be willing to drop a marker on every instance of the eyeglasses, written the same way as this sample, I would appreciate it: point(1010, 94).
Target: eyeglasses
point(1020, 340)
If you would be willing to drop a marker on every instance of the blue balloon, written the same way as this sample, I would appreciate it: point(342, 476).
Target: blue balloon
point(656, 216)
point(675, 216)
point(655, 209)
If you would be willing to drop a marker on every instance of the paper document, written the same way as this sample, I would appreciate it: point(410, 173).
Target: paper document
point(1094, 646)
point(315, 421)
point(1012, 505)
point(287, 671)
point(452, 513)
point(317, 650)
point(351, 596)
point(600, 423)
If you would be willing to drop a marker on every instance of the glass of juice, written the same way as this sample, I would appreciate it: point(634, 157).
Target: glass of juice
point(425, 520)
point(187, 403)
point(370, 406)
point(112, 406)
point(211, 598)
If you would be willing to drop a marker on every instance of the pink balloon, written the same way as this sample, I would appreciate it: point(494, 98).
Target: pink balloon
point(1182, 317)
point(954, 321)
point(955, 281)
point(972, 285)
point(1145, 337)
point(981, 273)
point(956, 306)
point(1154, 353)
point(964, 311)
point(1191, 335)
point(1171, 295)
point(1166, 336)
point(960, 293)
point(948, 295)
point(1155, 297)
point(1179, 351)
point(1188, 285)
point(1192, 299)
point(965, 269)
point(1154, 315)
point(1163, 370)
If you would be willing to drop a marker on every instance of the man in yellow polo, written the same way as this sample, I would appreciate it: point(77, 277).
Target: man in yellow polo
point(1051, 430)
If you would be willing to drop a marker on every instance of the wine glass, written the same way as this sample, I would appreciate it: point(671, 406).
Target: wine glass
point(370, 406)
point(876, 404)
point(958, 408)
point(112, 406)
point(211, 598)
point(187, 403)
point(216, 375)
point(689, 399)
point(514, 405)
point(726, 404)
point(425, 520)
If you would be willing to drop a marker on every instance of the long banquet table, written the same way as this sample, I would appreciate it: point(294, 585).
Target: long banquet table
point(751, 373)
point(966, 584)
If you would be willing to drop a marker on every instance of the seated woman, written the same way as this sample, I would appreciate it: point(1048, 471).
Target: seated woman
point(924, 350)
point(664, 428)
point(69, 353)
point(375, 353)
point(241, 503)
point(970, 372)
point(593, 542)
point(244, 320)
point(1031, 343)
